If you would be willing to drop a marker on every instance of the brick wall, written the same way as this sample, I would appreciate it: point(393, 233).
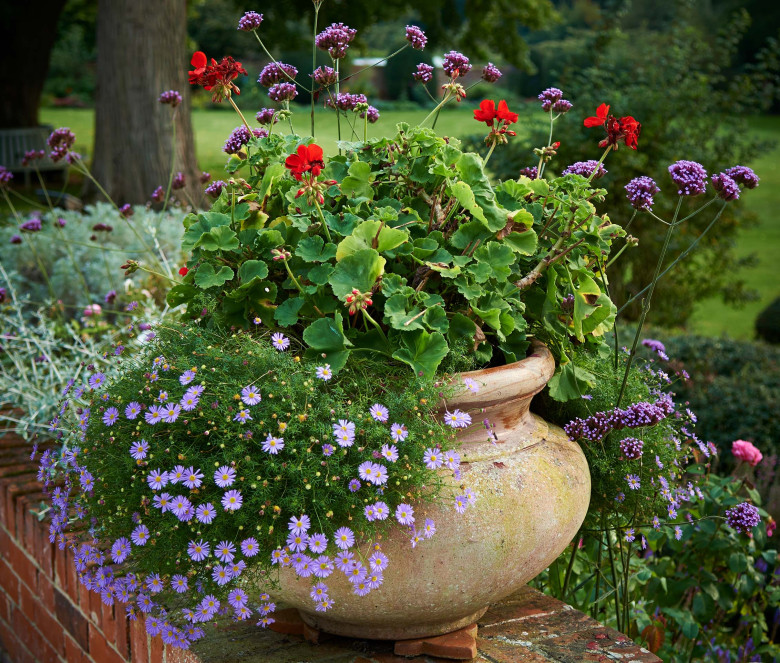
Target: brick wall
point(46, 615)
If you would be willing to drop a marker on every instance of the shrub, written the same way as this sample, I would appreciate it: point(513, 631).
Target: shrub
point(768, 323)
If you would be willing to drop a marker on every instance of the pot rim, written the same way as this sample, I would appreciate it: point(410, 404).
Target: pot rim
point(521, 379)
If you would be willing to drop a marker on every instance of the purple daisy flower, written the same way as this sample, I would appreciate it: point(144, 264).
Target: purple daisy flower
point(390, 452)
point(157, 479)
point(179, 583)
point(120, 550)
point(451, 459)
point(299, 525)
point(243, 416)
point(322, 566)
point(138, 450)
point(297, 542)
point(344, 561)
point(318, 543)
point(328, 449)
point(324, 372)
point(433, 459)
point(461, 502)
point(304, 566)
point(224, 476)
point(176, 474)
point(193, 478)
point(162, 502)
point(633, 481)
point(110, 416)
point(354, 485)
point(250, 395)
point(429, 528)
point(319, 591)
point(221, 574)
point(250, 547)
point(97, 380)
point(186, 377)
point(404, 514)
point(205, 513)
point(154, 584)
point(198, 550)
point(379, 412)
point(153, 415)
point(398, 432)
point(344, 538)
point(140, 535)
point(457, 419)
point(273, 445)
point(180, 506)
point(378, 561)
point(232, 500)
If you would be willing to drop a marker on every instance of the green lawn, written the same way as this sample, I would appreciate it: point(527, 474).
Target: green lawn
point(763, 240)
point(212, 127)
point(711, 318)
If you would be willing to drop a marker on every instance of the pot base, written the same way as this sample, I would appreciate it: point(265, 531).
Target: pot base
point(380, 631)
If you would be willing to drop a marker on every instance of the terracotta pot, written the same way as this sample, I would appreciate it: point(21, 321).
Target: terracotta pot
point(533, 490)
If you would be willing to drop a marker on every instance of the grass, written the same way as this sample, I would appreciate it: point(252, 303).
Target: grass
point(711, 317)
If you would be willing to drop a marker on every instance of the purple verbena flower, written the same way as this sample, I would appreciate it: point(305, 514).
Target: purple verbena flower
point(456, 64)
point(586, 169)
point(416, 37)
point(170, 97)
point(335, 39)
point(424, 73)
point(640, 192)
point(548, 97)
point(689, 176)
point(215, 188)
point(491, 73)
point(725, 186)
point(743, 517)
point(631, 448)
point(250, 21)
point(744, 176)
point(276, 72)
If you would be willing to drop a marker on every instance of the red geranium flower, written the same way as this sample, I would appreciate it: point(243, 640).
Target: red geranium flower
point(599, 119)
point(183, 271)
point(486, 112)
point(217, 76)
point(630, 128)
point(308, 159)
point(505, 114)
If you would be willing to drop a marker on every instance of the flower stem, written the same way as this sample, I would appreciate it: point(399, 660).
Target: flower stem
point(262, 45)
point(173, 158)
point(338, 113)
point(241, 115)
point(366, 316)
point(540, 167)
point(436, 110)
point(376, 64)
point(646, 301)
point(487, 156)
point(322, 218)
point(596, 169)
point(314, 62)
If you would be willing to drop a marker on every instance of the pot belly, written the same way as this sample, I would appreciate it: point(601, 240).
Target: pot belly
point(532, 491)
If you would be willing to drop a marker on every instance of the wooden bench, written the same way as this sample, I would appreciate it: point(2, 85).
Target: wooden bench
point(15, 142)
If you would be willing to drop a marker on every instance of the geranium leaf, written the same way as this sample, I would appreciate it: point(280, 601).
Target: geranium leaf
point(286, 313)
point(522, 243)
point(358, 182)
point(314, 249)
point(221, 238)
point(252, 269)
point(206, 277)
point(422, 351)
point(326, 337)
point(359, 270)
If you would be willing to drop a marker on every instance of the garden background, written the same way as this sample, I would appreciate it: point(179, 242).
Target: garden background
point(703, 77)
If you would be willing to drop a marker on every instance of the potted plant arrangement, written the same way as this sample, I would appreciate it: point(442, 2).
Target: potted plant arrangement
point(341, 419)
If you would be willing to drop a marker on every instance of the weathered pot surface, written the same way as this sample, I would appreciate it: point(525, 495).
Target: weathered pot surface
point(532, 488)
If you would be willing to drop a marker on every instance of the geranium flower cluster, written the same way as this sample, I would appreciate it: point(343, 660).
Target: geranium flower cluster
point(209, 458)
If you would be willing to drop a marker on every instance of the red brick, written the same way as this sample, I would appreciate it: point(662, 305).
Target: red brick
point(9, 581)
point(25, 508)
point(9, 492)
point(95, 613)
point(44, 550)
point(139, 643)
point(461, 645)
point(23, 566)
point(5, 606)
point(156, 650)
point(72, 575)
point(108, 623)
point(99, 649)
point(74, 653)
point(46, 591)
point(44, 620)
point(71, 619)
point(26, 632)
point(121, 633)
point(14, 646)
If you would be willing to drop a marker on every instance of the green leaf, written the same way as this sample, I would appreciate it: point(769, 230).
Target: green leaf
point(252, 269)
point(436, 319)
point(690, 629)
point(181, 294)
point(204, 223)
point(422, 351)
point(522, 243)
point(461, 327)
point(320, 274)
point(314, 249)
point(358, 182)
point(286, 313)
point(359, 270)
point(275, 171)
point(468, 289)
point(498, 257)
point(570, 382)
point(206, 277)
point(465, 197)
point(398, 317)
point(368, 232)
point(468, 233)
point(585, 298)
point(326, 337)
point(738, 562)
point(221, 238)
point(472, 172)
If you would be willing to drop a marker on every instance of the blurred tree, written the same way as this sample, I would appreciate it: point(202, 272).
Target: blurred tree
point(27, 34)
point(142, 51)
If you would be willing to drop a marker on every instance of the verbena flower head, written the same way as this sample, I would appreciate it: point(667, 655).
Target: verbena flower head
point(548, 97)
point(250, 21)
point(586, 169)
point(5, 176)
point(743, 517)
point(416, 37)
point(631, 448)
point(689, 176)
point(60, 141)
point(215, 188)
point(726, 187)
point(424, 73)
point(266, 116)
point(744, 176)
point(171, 98)
point(491, 73)
point(640, 192)
point(456, 64)
point(239, 137)
point(276, 72)
point(335, 39)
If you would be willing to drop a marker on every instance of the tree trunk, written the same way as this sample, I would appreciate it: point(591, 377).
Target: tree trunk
point(141, 53)
point(27, 34)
